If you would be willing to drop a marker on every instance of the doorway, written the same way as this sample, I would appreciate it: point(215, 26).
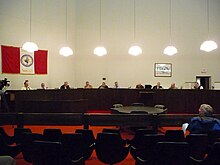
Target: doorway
point(204, 81)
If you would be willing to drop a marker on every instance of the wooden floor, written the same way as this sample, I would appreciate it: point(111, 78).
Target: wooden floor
point(71, 129)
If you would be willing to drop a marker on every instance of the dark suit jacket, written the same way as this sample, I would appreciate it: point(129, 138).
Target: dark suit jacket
point(62, 87)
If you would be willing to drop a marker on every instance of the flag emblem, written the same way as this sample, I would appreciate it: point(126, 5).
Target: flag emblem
point(27, 60)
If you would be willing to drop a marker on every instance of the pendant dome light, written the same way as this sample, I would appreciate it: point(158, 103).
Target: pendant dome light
point(135, 50)
point(30, 46)
point(208, 45)
point(170, 50)
point(66, 51)
point(100, 50)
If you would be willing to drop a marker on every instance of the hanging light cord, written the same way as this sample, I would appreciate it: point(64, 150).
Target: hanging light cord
point(100, 20)
point(66, 20)
point(207, 14)
point(170, 23)
point(30, 18)
point(134, 20)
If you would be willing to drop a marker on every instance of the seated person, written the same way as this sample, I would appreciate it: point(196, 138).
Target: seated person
point(158, 86)
point(43, 86)
point(205, 122)
point(26, 86)
point(116, 85)
point(197, 86)
point(88, 86)
point(139, 86)
point(173, 86)
point(103, 86)
point(65, 85)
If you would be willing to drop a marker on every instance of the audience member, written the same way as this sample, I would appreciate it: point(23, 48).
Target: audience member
point(88, 85)
point(173, 86)
point(205, 122)
point(65, 85)
point(103, 86)
point(26, 86)
point(139, 86)
point(158, 86)
point(197, 86)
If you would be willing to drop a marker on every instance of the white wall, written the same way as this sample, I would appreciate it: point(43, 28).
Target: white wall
point(189, 30)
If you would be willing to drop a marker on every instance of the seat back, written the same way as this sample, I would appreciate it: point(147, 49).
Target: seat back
point(213, 137)
point(144, 146)
point(73, 145)
point(213, 156)
point(9, 150)
point(88, 135)
point(47, 153)
point(18, 133)
point(8, 139)
point(26, 143)
point(52, 134)
point(110, 148)
point(175, 136)
point(198, 145)
point(88, 140)
point(172, 153)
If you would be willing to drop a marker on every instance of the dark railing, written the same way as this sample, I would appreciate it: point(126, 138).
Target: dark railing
point(86, 120)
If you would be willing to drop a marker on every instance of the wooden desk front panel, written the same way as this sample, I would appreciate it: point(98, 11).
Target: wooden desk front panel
point(177, 101)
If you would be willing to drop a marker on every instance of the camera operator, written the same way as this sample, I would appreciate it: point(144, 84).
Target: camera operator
point(3, 85)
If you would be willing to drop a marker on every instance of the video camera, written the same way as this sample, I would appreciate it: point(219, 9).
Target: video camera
point(4, 83)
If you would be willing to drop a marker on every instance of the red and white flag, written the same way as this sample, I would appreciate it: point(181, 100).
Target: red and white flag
point(16, 60)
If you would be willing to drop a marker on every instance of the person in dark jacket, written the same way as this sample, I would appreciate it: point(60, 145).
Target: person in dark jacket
point(65, 85)
point(205, 122)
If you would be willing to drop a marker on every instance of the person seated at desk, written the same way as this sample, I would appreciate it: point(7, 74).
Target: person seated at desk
point(65, 85)
point(139, 86)
point(116, 85)
point(197, 86)
point(205, 122)
point(88, 85)
point(103, 86)
point(43, 86)
point(173, 86)
point(26, 86)
point(158, 86)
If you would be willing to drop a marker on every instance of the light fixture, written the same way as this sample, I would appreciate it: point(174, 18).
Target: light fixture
point(30, 46)
point(100, 50)
point(66, 51)
point(135, 50)
point(170, 50)
point(209, 45)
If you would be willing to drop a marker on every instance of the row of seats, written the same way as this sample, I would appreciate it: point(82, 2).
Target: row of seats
point(145, 147)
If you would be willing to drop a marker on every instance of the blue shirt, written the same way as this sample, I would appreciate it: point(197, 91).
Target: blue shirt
point(203, 124)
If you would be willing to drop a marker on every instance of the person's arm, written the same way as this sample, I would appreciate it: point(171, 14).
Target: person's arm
point(195, 126)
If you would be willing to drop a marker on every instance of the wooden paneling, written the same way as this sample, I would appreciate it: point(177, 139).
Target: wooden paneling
point(177, 101)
